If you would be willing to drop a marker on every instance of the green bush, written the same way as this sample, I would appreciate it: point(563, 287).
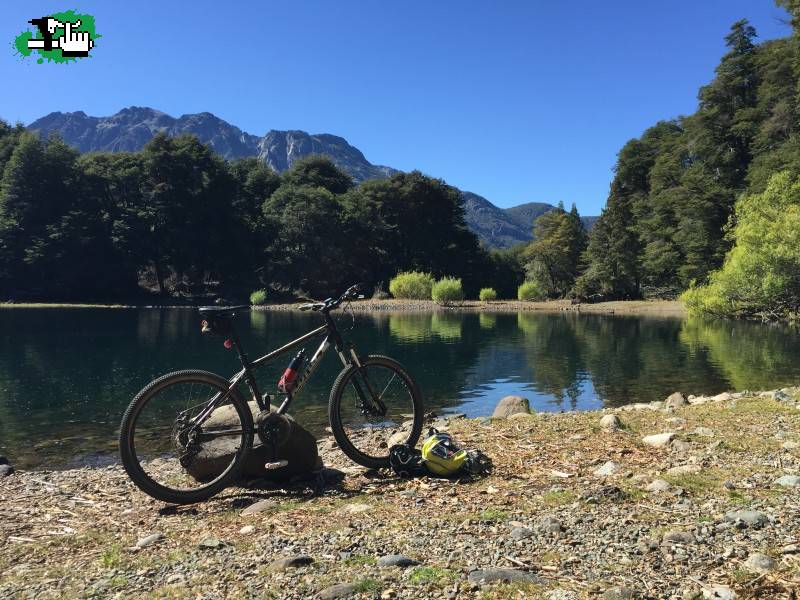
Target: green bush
point(530, 291)
point(447, 290)
point(258, 297)
point(760, 275)
point(412, 285)
point(487, 294)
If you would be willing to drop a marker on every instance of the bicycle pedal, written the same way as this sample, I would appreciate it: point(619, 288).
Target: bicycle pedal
point(278, 464)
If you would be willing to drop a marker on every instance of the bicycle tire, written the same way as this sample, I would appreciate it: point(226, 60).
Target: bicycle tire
point(127, 444)
point(334, 416)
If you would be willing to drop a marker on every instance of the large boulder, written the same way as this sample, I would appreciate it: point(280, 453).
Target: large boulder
point(300, 449)
point(511, 405)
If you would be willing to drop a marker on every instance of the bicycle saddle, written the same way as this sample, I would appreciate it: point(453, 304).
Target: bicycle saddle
point(215, 312)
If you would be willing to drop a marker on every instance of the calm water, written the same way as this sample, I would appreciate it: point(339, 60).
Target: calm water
point(66, 375)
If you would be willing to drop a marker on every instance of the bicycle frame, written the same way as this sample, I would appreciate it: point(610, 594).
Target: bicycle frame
point(331, 335)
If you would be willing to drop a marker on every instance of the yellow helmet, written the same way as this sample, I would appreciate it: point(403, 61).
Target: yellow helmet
point(441, 455)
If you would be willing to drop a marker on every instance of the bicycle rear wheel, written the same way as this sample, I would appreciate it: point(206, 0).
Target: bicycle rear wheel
point(363, 432)
point(169, 460)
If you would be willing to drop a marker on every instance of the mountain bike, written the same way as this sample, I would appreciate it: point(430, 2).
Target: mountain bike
point(184, 416)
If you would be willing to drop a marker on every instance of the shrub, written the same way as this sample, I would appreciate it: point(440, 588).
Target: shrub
point(258, 297)
point(379, 293)
point(530, 291)
point(447, 290)
point(412, 285)
point(487, 294)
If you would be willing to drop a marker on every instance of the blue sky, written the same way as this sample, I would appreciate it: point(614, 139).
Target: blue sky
point(518, 101)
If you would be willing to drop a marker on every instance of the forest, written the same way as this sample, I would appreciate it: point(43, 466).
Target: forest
point(704, 205)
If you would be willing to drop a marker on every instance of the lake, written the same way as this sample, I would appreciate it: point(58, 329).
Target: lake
point(66, 375)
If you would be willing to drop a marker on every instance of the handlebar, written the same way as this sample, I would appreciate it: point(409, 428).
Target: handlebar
point(331, 304)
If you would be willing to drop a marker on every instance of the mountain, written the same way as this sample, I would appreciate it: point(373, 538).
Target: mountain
point(131, 128)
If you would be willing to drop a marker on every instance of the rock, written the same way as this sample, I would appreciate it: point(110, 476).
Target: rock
point(149, 540)
point(3, 460)
point(611, 422)
point(300, 450)
point(549, 524)
point(259, 507)
point(679, 537)
point(675, 400)
point(723, 397)
point(211, 543)
point(396, 560)
point(356, 508)
point(790, 445)
point(759, 563)
point(788, 481)
point(676, 421)
point(520, 416)
point(247, 530)
point(619, 593)
point(6, 470)
point(608, 468)
point(696, 400)
point(301, 560)
point(388, 594)
point(340, 590)
point(684, 470)
point(680, 446)
point(659, 440)
point(511, 405)
point(751, 518)
point(703, 431)
point(484, 576)
point(658, 486)
point(562, 595)
point(520, 533)
point(719, 592)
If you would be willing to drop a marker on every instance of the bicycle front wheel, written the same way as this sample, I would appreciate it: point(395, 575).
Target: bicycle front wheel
point(170, 459)
point(373, 408)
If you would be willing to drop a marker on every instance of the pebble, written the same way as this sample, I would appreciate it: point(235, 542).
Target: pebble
point(149, 540)
point(788, 481)
point(703, 431)
point(340, 590)
point(549, 524)
point(611, 422)
point(6, 470)
point(676, 421)
point(659, 440)
point(520, 533)
point(681, 446)
point(356, 508)
point(259, 507)
point(675, 400)
point(608, 468)
point(396, 560)
point(790, 445)
point(679, 537)
point(759, 563)
point(483, 576)
point(684, 470)
point(247, 530)
point(301, 560)
point(752, 518)
point(658, 486)
point(211, 543)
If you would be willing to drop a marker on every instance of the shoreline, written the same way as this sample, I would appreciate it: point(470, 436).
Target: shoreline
point(621, 307)
point(580, 505)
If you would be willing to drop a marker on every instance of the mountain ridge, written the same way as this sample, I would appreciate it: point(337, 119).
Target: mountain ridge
point(131, 128)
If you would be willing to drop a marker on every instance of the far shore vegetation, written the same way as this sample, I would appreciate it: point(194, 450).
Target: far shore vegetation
point(704, 207)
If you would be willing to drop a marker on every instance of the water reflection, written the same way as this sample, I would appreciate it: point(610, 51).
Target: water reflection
point(67, 375)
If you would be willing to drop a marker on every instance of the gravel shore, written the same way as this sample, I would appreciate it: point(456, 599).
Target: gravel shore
point(623, 307)
point(683, 499)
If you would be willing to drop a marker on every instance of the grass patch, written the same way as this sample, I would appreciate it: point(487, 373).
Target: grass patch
point(360, 560)
point(514, 591)
point(432, 575)
point(367, 585)
point(111, 557)
point(494, 514)
point(558, 497)
point(696, 483)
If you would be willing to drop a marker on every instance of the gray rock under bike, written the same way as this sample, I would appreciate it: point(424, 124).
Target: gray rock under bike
point(172, 420)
